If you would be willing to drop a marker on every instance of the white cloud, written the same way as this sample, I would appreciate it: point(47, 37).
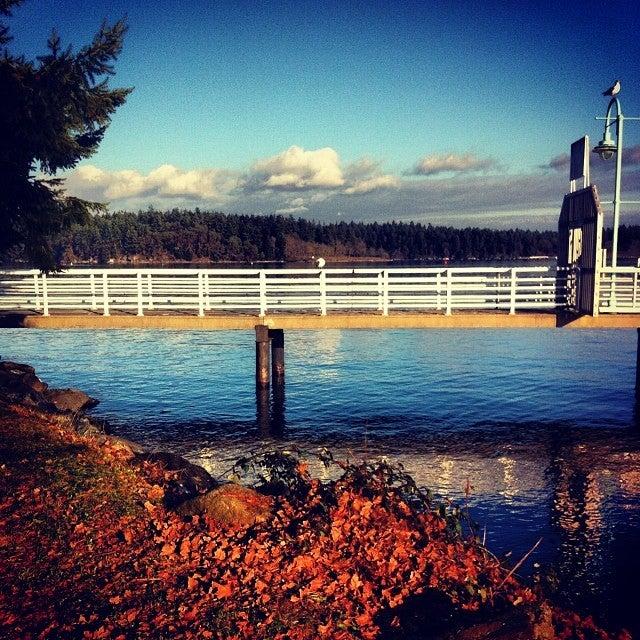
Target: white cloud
point(361, 169)
point(318, 185)
point(452, 163)
point(164, 182)
point(373, 183)
point(294, 206)
point(297, 169)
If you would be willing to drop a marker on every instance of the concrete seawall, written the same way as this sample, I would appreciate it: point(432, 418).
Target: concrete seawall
point(478, 320)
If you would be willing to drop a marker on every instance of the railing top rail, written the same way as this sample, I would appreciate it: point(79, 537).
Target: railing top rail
point(620, 270)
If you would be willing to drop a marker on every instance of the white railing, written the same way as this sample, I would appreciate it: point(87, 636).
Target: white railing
point(619, 290)
point(274, 290)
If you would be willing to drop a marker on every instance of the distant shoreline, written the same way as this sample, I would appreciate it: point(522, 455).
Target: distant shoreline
point(330, 260)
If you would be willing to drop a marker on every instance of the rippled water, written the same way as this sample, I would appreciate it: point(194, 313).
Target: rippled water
point(542, 423)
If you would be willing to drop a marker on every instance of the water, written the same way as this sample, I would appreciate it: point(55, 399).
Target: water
point(541, 423)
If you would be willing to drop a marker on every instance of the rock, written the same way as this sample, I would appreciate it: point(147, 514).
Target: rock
point(72, 400)
point(230, 504)
point(16, 368)
point(188, 481)
point(32, 380)
point(90, 427)
point(115, 442)
point(20, 385)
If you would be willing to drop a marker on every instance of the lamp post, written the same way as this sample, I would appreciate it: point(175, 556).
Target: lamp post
point(606, 148)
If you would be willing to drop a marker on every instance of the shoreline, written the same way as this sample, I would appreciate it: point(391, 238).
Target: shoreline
point(190, 546)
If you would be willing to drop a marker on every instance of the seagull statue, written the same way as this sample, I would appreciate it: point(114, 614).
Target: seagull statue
point(613, 90)
point(320, 262)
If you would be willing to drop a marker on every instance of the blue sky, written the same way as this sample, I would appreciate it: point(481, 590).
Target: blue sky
point(435, 111)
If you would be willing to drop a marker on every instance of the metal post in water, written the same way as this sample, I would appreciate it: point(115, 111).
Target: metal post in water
point(262, 355)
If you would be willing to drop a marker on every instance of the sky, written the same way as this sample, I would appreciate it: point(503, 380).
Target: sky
point(458, 113)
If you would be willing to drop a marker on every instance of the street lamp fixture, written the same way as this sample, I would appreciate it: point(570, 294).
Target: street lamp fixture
point(606, 147)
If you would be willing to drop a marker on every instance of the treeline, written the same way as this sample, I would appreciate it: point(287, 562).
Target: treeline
point(183, 236)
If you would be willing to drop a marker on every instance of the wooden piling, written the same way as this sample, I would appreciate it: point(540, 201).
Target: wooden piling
point(262, 355)
point(277, 355)
point(638, 367)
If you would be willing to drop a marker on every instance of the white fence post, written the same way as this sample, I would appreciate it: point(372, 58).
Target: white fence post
point(323, 293)
point(263, 293)
point(385, 292)
point(45, 296)
point(139, 279)
point(92, 282)
point(207, 296)
point(105, 295)
point(37, 291)
point(150, 291)
point(200, 294)
point(380, 290)
point(438, 291)
point(512, 305)
point(449, 292)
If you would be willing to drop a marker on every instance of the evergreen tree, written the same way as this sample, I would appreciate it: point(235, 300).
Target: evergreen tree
point(53, 113)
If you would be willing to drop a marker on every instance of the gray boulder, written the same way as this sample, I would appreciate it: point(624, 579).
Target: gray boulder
point(187, 481)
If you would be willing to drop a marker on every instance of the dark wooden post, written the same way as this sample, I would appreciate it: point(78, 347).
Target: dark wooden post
point(638, 367)
point(262, 355)
point(277, 355)
point(263, 410)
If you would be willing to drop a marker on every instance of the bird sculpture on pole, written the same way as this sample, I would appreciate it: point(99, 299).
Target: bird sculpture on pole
point(613, 90)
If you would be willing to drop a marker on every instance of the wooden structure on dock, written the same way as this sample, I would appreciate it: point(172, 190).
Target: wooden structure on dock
point(580, 249)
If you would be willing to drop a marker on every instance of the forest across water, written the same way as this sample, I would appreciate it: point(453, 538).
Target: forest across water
point(201, 236)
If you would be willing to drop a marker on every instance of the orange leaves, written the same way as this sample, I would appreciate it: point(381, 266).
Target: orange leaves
point(192, 582)
point(156, 492)
point(222, 591)
point(167, 549)
point(325, 565)
point(355, 582)
point(304, 562)
point(185, 548)
point(149, 507)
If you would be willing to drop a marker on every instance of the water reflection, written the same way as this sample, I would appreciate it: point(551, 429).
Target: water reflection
point(270, 411)
point(577, 488)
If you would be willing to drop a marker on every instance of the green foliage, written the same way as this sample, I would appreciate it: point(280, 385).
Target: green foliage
point(53, 113)
point(181, 236)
